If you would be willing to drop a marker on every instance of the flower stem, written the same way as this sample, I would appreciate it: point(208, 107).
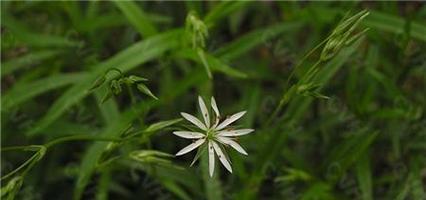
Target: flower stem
point(80, 137)
point(42, 148)
point(292, 90)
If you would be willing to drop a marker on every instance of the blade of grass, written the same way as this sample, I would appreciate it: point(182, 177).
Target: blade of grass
point(91, 157)
point(176, 189)
point(167, 175)
point(349, 151)
point(214, 63)
point(394, 24)
point(250, 40)
point(212, 187)
point(222, 10)
point(23, 34)
point(363, 170)
point(26, 60)
point(103, 185)
point(137, 17)
point(296, 108)
point(127, 59)
point(23, 92)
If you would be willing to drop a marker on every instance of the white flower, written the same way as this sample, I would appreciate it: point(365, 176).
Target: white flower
point(213, 134)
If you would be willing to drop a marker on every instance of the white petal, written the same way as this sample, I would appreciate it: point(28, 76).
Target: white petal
point(211, 158)
point(191, 147)
point(229, 120)
point(232, 143)
point(194, 120)
point(222, 157)
point(214, 106)
point(189, 134)
point(234, 133)
point(204, 111)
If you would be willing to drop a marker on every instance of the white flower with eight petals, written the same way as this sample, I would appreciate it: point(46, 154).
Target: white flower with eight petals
point(214, 135)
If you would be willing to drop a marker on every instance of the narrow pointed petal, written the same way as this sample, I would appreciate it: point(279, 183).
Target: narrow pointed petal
point(189, 134)
point(234, 133)
point(229, 120)
point(194, 120)
point(211, 158)
point(222, 157)
point(214, 106)
point(215, 123)
point(204, 111)
point(191, 147)
point(232, 143)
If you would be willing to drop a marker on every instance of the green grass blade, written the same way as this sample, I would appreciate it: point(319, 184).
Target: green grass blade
point(214, 63)
point(364, 175)
point(103, 185)
point(176, 189)
point(222, 10)
point(212, 186)
point(394, 24)
point(296, 108)
point(91, 157)
point(137, 17)
point(26, 60)
point(349, 151)
point(127, 59)
point(24, 35)
point(250, 40)
point(23, 92)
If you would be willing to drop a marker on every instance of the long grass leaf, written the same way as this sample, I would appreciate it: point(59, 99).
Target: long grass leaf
point(214, 63)
point(250, 40)
point(364, 175)
point(23, 92)
point(212, 186)
point(394, 24)
point(296, 108)
point(222, 10)
point(27, 60)
point(127, 59)
point(137, 17)
point(24, 35)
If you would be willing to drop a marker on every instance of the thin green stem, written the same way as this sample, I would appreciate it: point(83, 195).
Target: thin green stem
point(303, 60)
point(80, 137)
point(285, 100)
point(289, 93)
point(13, 148)
point(31, 161)
point(27, 162)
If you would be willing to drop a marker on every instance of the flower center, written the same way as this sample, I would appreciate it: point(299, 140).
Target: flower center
point(210, 134)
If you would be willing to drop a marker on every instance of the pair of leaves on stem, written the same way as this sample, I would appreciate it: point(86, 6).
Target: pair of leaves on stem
point(116, 84)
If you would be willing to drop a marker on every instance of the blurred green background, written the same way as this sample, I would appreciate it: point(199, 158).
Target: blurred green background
point(367, 140)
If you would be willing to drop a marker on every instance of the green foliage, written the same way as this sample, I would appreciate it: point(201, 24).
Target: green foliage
point(92, 91)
